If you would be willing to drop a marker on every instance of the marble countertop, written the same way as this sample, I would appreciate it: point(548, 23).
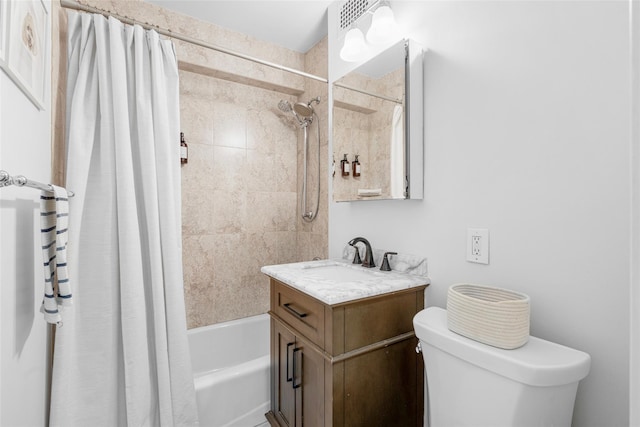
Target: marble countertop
point(356, 281)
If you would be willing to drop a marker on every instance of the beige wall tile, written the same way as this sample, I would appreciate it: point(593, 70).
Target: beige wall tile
point(261, 212)
point(196, 120)
point(260, 171)
point(229, 125)
point(228, 169)
point(287, 247)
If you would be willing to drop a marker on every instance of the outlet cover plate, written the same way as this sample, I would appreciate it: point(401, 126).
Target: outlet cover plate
point(478, 245)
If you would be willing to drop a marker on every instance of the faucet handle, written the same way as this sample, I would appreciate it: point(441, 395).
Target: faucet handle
point(385, 261)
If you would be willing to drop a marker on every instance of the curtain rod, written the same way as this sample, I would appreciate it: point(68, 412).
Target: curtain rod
point(355, 89)
point(69, 4)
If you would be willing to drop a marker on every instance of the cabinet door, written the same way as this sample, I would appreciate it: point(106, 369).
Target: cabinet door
point(283, 397)
point(309, 383)
point(382, 388)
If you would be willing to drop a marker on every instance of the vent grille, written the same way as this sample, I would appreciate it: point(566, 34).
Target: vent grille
point(351, 11)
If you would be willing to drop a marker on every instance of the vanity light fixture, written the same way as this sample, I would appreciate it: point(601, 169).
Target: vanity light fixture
point(355, 48)
point(383, 29)
point(383, 26)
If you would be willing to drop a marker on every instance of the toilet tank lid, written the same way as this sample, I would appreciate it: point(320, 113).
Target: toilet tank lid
point(537, 363)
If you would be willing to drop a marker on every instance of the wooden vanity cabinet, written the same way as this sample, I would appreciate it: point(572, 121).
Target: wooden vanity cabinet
point(345, 365)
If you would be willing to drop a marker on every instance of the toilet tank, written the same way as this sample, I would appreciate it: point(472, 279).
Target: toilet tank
point(473, 384)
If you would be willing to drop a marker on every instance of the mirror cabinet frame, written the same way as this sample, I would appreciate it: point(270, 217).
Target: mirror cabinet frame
point(413, 121)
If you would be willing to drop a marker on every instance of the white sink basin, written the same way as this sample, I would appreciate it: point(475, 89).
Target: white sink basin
point(339, 272)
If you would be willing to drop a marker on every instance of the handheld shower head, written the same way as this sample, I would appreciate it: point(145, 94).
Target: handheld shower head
point(284, 106)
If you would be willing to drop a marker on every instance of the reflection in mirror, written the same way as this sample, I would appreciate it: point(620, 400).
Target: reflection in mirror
point(369, 120)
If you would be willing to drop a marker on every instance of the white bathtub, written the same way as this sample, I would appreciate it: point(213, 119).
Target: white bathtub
point(231, 372)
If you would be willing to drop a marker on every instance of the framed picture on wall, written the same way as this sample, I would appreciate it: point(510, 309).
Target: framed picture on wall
point(24, 44)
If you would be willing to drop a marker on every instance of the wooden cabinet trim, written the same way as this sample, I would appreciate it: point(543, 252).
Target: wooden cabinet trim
point(415, 289)
point(372, 347)
point(344, 356)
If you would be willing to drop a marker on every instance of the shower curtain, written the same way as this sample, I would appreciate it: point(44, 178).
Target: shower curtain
point(121, 358)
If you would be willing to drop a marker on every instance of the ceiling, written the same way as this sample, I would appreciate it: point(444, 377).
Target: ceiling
point(295, 24)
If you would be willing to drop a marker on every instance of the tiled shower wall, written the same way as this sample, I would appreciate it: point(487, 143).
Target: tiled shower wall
point(238, 195)
point(241, 201)
point(240, 188)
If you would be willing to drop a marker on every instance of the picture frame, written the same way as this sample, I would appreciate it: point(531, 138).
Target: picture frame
point(24, 46)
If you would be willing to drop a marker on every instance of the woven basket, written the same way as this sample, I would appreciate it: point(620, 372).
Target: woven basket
point(493, 316)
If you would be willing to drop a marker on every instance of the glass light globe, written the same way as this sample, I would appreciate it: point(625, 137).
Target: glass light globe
point(383, 26)
point(354, 48)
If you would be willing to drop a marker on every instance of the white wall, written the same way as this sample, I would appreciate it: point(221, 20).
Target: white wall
point(528, 134)
point(25, 149)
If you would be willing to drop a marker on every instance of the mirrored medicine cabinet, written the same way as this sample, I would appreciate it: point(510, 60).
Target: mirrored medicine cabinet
point(378, 116)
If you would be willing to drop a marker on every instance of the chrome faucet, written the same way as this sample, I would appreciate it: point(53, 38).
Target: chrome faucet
point(368, 254)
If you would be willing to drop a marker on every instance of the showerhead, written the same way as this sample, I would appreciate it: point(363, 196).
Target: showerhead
point(305, 110)
point(301, 111)
point(284, 106)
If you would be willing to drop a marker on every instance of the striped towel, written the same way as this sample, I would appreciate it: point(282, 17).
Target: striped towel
point(54, 220)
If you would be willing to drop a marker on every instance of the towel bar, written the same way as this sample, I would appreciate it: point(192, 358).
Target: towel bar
point(20, 181)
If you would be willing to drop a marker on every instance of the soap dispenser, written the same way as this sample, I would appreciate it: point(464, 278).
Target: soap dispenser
point(184, 150)
point(344, 166)
point(356, 167)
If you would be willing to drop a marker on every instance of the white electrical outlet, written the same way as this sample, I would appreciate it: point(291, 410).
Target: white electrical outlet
point(476, 241)
point(478, 245)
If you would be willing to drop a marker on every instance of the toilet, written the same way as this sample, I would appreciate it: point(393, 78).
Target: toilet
point(474, 384)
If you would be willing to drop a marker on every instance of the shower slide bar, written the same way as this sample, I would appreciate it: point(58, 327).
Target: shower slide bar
point(69, 4)
point(21, 181)
point(375, 95)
